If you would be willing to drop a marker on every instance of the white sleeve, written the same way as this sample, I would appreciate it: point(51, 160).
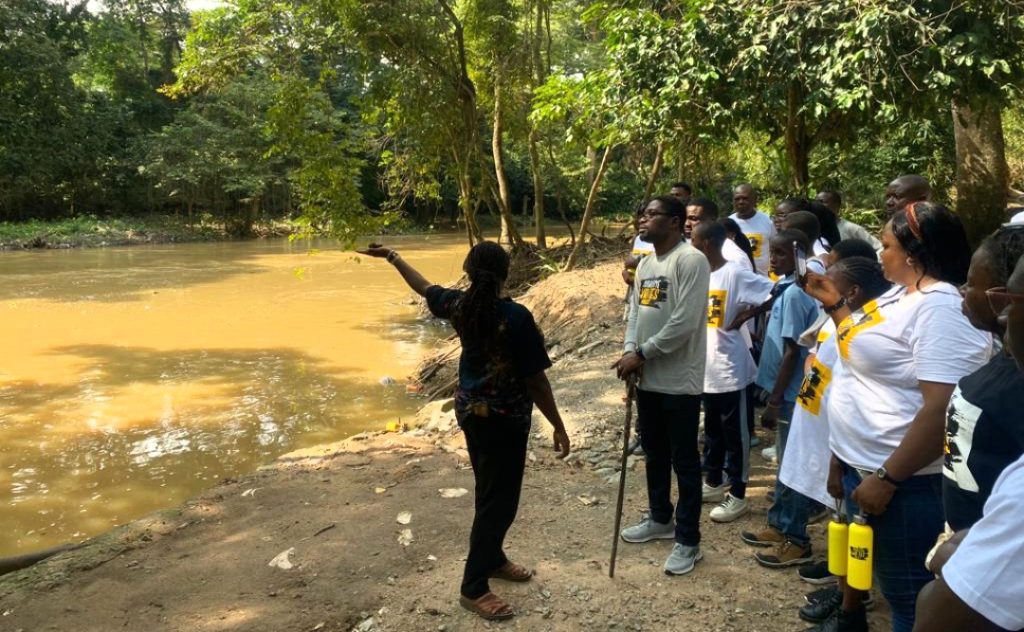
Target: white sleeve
point(752, 288)
point(945, 345)
point(987, 570)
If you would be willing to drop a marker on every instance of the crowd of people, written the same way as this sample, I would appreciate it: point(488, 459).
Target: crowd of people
point(882, 368)
point(890, 367)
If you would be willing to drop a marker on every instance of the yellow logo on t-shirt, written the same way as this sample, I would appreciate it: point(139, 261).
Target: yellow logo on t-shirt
point(716, 308)
point(813, 388)
point(756, 241)
point(653, 291)
point(865, 318)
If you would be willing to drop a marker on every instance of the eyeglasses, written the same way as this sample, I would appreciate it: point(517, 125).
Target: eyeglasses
point(999, 299)
point(650, 215)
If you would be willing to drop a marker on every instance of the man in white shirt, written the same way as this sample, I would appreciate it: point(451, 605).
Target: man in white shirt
point(755, 224)
point(847, 229)
point(704, 210)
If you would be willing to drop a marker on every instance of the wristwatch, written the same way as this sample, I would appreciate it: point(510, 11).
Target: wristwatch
point(883, 474)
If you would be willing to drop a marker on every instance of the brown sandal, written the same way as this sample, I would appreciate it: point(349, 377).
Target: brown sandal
point(512, 572)
point(488, 606)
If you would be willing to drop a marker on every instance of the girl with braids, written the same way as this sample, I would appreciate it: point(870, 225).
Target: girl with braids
point(888, 403)
point(501, 376)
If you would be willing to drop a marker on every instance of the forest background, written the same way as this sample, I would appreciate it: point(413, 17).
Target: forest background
point(352, 116)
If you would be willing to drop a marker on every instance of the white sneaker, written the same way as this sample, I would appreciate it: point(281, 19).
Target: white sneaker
point(768, 454)
point(682, 559)
point(730, 509)
point(713, 494)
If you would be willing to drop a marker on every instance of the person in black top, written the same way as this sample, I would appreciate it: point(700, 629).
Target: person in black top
point(501, 376)
point(984, 425)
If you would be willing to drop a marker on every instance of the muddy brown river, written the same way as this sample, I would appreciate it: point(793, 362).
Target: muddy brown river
point(133, 378)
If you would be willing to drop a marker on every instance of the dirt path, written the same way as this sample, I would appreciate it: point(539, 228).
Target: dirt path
point(205, 566)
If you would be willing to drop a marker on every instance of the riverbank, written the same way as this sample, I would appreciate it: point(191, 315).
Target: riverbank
point(370, 533)
point(95, 232)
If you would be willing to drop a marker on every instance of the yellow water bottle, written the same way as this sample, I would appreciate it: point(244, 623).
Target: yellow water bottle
point(861, 547)
point(838, 540)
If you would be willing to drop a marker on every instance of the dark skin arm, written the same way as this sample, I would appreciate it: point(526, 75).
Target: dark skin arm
point(921, 446)
point(749, 313)
point(412, 277)
point(540, 391)
point(632, 261)
point(946, 551)
point(940, 609)
point(790, 359)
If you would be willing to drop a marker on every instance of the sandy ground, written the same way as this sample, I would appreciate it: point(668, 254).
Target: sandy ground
point(316, 541)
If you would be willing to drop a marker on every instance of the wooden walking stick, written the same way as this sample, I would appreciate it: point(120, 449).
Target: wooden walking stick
point(630, 394)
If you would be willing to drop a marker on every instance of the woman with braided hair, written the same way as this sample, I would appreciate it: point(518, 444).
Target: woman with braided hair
point(501, 377)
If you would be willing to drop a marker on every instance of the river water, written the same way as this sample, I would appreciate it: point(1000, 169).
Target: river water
point(133, 378)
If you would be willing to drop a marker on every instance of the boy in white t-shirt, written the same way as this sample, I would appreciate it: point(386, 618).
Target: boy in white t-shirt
point(729, 370)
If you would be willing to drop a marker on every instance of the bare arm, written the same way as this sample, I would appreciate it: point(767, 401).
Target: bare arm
point(412, 277)
point(540, 391)
point(923, 442)
point(940, 609)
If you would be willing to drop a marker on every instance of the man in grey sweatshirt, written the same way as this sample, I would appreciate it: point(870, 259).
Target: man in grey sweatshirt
point(665, 347)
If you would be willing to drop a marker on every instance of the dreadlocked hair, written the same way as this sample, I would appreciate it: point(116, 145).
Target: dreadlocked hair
point(1004, 248)
point(865, 273)
point(476, 317)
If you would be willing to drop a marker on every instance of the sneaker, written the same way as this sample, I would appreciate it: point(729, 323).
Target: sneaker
point(786, 554)
point(730, 509)
point(755, 441)
point(817, 516)
point(817, 574)
point(842, 621)
point(816, 596)
point(634, 446)
point(821, 610)
point(682, 559)
point(769, 536)
point(713, 494)
point(647, 530)
point(768, 454)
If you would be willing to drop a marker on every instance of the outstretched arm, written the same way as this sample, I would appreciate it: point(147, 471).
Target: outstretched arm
point(409, 273)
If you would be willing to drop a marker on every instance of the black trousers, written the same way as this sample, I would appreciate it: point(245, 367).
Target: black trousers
point(497, 450)
point(727, 440)
point(668, 433)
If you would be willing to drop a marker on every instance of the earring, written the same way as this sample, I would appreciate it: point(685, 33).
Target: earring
point(910, 262)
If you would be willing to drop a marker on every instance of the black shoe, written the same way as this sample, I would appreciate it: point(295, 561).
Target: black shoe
point(842, 621)
point(634, 446)
point(820, 611)
point(817, 596)
point(817, 574)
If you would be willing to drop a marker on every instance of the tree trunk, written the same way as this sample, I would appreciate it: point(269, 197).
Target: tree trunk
point(539, 74)
point(655, 171)
point(681, 162)
point(981, 173)
point(798, 142)
point(509, 234)
point(589, 210)
point(468, 210)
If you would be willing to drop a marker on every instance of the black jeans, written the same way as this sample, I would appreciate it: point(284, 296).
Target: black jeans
point(668, 434)
point(727, 440)
point(497, 450)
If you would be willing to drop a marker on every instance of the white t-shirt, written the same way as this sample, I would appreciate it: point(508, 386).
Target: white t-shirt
point(805, 465)
point(735, 254)
point(641, 247)
point(759, 229)
point(1018, 218)
point(987, 570)
point(729, 366)
point(819, 247)
point(922, 336)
